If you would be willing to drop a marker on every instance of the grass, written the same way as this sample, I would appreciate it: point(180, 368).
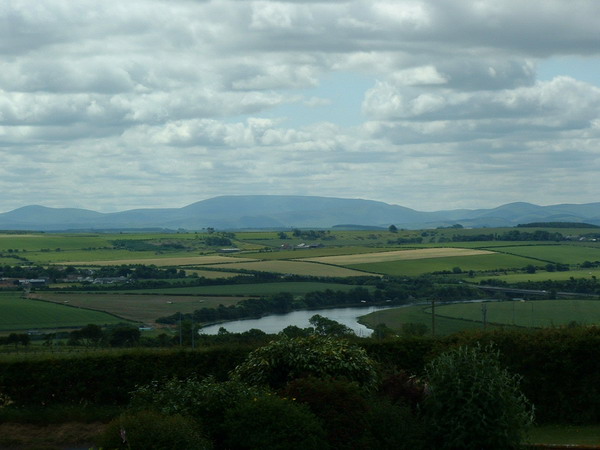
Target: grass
point(417, 267)
point(139, 308)
point(539, 313)
point(562, 254)
point(398, 255)
point(150, 258)
point(565, 435)
point(452, 318)
point(540, 275)
point(298, 268)
point(396, 317)
point(17, 313)
point(310, 253)
point(252, 289)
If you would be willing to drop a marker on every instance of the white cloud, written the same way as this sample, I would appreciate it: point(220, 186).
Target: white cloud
point(155, 102)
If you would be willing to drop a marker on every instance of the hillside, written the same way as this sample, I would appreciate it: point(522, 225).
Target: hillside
point(285, 212)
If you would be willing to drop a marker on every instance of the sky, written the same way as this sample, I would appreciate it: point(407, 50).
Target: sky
point(428, 104)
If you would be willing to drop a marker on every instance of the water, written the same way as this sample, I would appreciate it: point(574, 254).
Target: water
point(277, 322)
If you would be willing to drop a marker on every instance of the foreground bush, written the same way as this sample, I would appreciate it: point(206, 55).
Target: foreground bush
point(150, 430)
point(339, 404)
point(273, 423)
point(284, 360)
point(207, 401)
point(473, 403)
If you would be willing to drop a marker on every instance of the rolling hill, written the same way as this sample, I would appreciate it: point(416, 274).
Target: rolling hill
point(285, 212)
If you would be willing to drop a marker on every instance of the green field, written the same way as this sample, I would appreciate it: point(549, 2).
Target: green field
point(451, 318)
point(296, 268)
point(257, 289)
point(540, 275)
point(416, 267)
point(139, 308)
point(562, 254)
point(313, 252)
point(17, 313)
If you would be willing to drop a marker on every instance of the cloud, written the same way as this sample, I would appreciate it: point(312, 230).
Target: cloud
point(155, 102)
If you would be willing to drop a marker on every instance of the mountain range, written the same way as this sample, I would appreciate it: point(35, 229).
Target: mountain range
point(286, 212)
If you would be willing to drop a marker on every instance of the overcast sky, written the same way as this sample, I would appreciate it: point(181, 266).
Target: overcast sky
point(112, 105)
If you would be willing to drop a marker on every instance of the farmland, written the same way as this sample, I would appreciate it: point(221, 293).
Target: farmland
point(320, 259)
point(451, 318)
point(17, 313)
point(138, 308)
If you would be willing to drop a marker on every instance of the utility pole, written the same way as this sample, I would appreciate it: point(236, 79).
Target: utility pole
point(484, 314)
point(433, 316)
point(180, 331)
point(193, 346)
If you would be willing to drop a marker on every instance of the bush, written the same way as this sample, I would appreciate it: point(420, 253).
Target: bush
point(270, 423)
point(151, 430)
point(339, 404)
point(206, 401)
point(394, 427)
point(473, 403)
point(286, 359)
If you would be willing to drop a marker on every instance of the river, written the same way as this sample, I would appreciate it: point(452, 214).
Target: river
point(275, 323)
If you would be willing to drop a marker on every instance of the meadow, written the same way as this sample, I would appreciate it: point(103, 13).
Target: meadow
point(138, 308)
point(451, 318)
point(477, 263)
point(17, 314)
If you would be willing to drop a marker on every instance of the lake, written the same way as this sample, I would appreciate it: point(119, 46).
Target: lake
point(277, 322)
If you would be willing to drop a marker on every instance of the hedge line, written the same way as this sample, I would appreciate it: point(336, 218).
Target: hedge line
point(560, 369)
point(107, 378)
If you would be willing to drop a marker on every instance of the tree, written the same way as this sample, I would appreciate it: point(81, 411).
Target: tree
point(124, 336)
point(392, 229)
point(328, 327)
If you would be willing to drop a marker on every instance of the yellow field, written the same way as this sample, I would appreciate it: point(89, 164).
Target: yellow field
point(398, 255)
point(180, 261)
point(298, 268)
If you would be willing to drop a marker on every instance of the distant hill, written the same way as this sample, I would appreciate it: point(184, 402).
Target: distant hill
point(285, 212)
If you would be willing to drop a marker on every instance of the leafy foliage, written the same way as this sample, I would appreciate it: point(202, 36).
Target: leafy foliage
point(206, 400)
point(341, 406)
point(473, 403)
point(273, 423)
point(286, 359)
point(152, 430)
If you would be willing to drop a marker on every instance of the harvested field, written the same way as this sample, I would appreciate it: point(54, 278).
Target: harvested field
point(180, 261)
point(399, 255)
point(298, 268)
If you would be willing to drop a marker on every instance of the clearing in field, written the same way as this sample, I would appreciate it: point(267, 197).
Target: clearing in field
point(179, 261)
point(139, 308)
point(17, 314)
point(298, 268)
point(398, 255)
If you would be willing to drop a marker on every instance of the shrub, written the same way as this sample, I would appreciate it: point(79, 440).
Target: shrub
point(151, 430)
point(473, 403)
point(206, 401)
point(394, 427)
point(339, 404)
point(270, 423)
point(286, 359)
